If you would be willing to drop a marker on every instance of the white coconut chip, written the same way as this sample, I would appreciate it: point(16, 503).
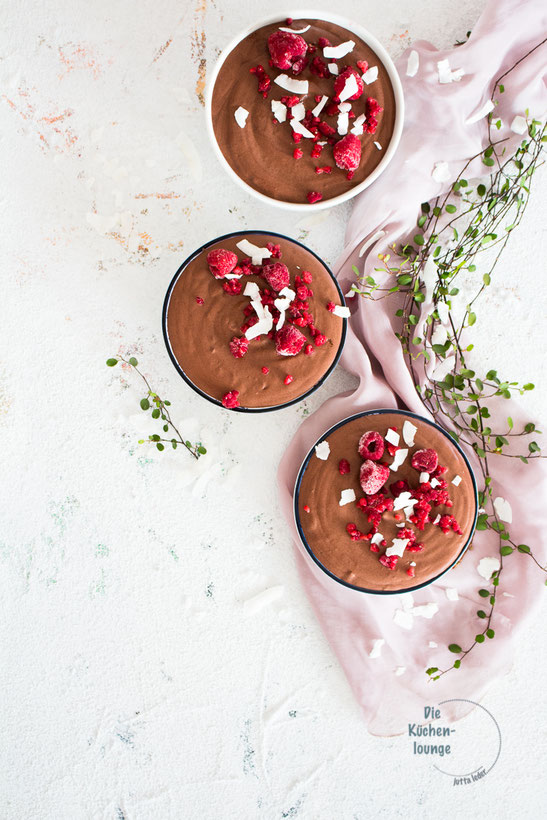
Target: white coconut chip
point(503, 510)
point(233, 275)
point(443, 369)
point(480, 113)
point(257, 254)
point(399, 459)
point(377, 538)
point(295, 30)
point(342, 311)
point(337, 52)
point(320, 105)
point(370, 241)
point(446, 75)
point(298, 112)
point(413, 563)
point(398, 546)
point(403, 500)
point(333, 68)
point(400, 671)
point(378, 146)
point(345, 107)
point(403, 618)
point(322, 450)
point(487, 566)
point(413, 64)
point(350, 88)
point(342, 123)
point(346, 497)
point(401, 525)
point(519, 125)
point(264, 324)
point(457, 480)
point(435, 482)
point(409, 431)
point(370, 75)
point(376, 648)
point(452, 594)
point(433, 645)
point(279, 110)
point(424, 477)
point(441, 172)
point(241, 115)
point(298, 128)
point(358, 125)
point(393, 437)
point(251, 289)
point(289, 84)
point(438, 516)
point(425, 610)
point(286, 295)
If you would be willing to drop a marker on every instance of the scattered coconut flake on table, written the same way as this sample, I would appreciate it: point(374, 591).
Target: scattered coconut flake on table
point(425, 610)
point(392, 436)
point(294, 86)
point(241, 115)
point(503, 510)
point(400, 671)
point(378, 146)
point(342, 123)
point(336, 52)
point(398, 546)
point(403, 618)
point(358, 125)
point(279, 110)
point(433, 645)
point(482, 112)
point(452, 594)
point(370, 75)
point(298, 128)
point(333, 68)
point(342, 311)
point(350, 88)
point(441, 172)
point(257, 254)
point(399, 459)
point(487, 566)
point(457, 480)
point(443, 369)
point(424, 477)
point(376, 648)
point(322, 450)
point(346, 497)
point(409, 431)
point(295, 30)
point(519, 125)
point(370, 241)
point(446, 75)
point(320, 105)
point(413, 64)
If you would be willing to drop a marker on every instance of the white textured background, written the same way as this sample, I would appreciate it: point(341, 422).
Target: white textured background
point(140, 678)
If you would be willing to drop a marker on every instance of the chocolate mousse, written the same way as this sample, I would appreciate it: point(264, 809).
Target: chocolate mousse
point(303, 112)
point(254, 321)
point(386, 502)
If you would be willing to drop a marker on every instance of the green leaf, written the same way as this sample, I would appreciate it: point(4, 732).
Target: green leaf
point(530, 427)
point(451, 209)
point(404, 279)
point(471, 318)
point(145, 404)
point(490, 633)
point(133, 361)
point(422, 220)
point(488, 161)
point(431, 670)
point(481, 190)
point(524, 548)
point(481, 613)
point(454, 647)
point(506, 550)
point(174, 443)
point(457, 664)
point(419, 239)
point(479, 638)
point(160, 446)
point(201, 450)
point(484, 593)
point(486, 279)
point(155, 437)
point(510, 422)
point(528, 386)
point(155, 413)
point(112, 362)
point(165, 428)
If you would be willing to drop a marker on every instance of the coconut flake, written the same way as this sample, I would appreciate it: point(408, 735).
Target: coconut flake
point(376, 648)
point(257, 254)
point(370, 75)
point(441, 172)
point(435, 482)
point(443, 369)
point(402, 501)
point(519, 125)
point(399, 459)
point(286, 295)
point(350, 88)
point(425, 610)
point(345, 107)
point(295, 30)
point(413, 64)
point(409, 431)
point(503, 510)
point(322, 450)
point(233, 275)
point(393, 437)
point(241, 115)
point(298, 128)
point(424, 477)
point(298, 112)
point(346, 497)
point(433, 644)
point(446, 75)
point(343, 123)
point(377, 538)
point(279, 110)
point(452, 594)
point(403, 618)
point(358, 125)
point(438, 516)
point(413, 563)
point(378, 146)
point(333, 68)
point(487, 566)
point(337, 52)
point(252, 290)
point(398, 546)
point(320, 105)
point(289, 84)
point(457, 480)
point(370, 241)
point(342, 311)
point(400, 671)
point(264, 324)
point(480, 113)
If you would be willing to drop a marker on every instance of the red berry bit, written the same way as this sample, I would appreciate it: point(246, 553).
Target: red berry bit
point(319, 67)
point(307, 277)
point(392, 448)
point(325, 169)
point(275, 250)
point(298, 153)
point(199, 300)
point(390, 562)
point(411, 572)
point(289, 341)
point(399, 487)
point(285, 47)
point(372, 109)
point(239, 346)
point(265, 370)
point(308, 350)
point(343, 466)
point(425, 461)
point(221, 262)
point(447, 523)
point(323, 42)
point(276, 275)
point(316, 151)
point(306, 508)
point(264, 81)
point(340, 83)
point(372, 476)
point(231, 399)
point(312, 196)
point(233, 286)
point(362, 65)
point(347, 153)
point(288, 379)
point(320, 339)
point(371, 445)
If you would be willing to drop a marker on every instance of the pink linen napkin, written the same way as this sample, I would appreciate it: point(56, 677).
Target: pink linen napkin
point(435, 130)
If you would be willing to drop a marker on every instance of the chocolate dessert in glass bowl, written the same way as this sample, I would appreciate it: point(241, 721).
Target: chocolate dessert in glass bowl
point(386, 502)
point(305, 111)
point(254, 321)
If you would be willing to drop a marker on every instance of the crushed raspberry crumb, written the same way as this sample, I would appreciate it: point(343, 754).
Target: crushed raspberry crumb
point(199, 300)
point(298, 153)
point(296, 137)
point(325, 169)
point(320, 339)
point(312, 196)
point(411, 572)
point(275, 250)
point(362, 65)
point(308, 350)
point(233, 286)
point(330, 306)
point(371, 445)
point(306, 508)
point(343, 466)
point(316, 151)
point(390, 562)
point(307, 277)
point(239, 346)
point(319, 67)
point(323, 42)
point(264, 81)
point(288, 379)
point(447, 523)
point(231, 399)
point(265, 370)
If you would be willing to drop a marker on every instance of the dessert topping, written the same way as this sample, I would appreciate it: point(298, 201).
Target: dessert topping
point(398, 546)
point(241, 115)
point(276, 275)
point(425, 460)
point(239, 346)
point(320, 105)
point(346, 497)
point(347, 152)
point(343, 466)
point(289, 84)
point(409, 431)
point(372, 476)
point(279, 110)
point(399, 459)
point(457, 480)
point(231, 399)
point(371, 445)
point(257, 254)
point(392, 436)
point(285, 47)
point(294, 30)
point(289, 341)
point(370, 75)
point(221, 262)
point(337, 52)
point(288, 379)
point(333, 68)
point(322, 450)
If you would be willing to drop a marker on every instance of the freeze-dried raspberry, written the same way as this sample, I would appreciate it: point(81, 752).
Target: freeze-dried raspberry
point(264, 81)
point(343, 466)
point(447, 523)
point(307, 277)
point(374, 506)
point(289, 341)
point(316, 151)
point(372, 476)
point(319, 67)
point(425, 461)
point(314, 196)
point(371, 445)
point(276, 275)
point(284, 47)
point(340, 83)
point(221, 262)
point(323, 169)
point(239, 346)
point(308, 350)
point(275, 250)
point(298, 153)
point(390, 562)
point(199, 300)
point(399, 487)
point(320, 339)
point(232, 286)
point(288, 379)
point(299, 65)
point(265, 370)
point(411, 572)
point(323, 42)
point(347, 152)
point(362, 65)
point(326, 129)
point(231, 399)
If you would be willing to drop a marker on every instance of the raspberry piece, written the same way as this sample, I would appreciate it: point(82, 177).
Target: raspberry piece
point(312, 196)
point(264, 81)
point(323, 42)
point(231, 399)
point(284, 47)
point(232, 286)
point(392, 448)
point(199, 300)
point(350, 527)
point(343, 466)
point(425, 461)
point(399, 487)
point(306, 508)
point(389, 562)
point(340, 82)
point(320, 339)
point(362, 65)
point(299, 65)
point(289, 341)
point(324, 169)
point(372, 476)
point(308, 350)
point(411, 572)
point(371, 445)
point(221, 262)
point(347, 153)
point(275, 250)
point(298, 153)
point(265, 370)
point(447, 523)
point(326, 129)
point(288, 379)
point(319, 68)
point(316, 151)
point(239, 346)
point(302, 292)
point(276, 275)
point(307, 277)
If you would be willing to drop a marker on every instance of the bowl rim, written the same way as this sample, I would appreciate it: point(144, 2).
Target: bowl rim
point(381, 52)
point(180, 370)
point(302, 470)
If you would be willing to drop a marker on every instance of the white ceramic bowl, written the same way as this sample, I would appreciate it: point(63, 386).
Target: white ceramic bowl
point(371, 41)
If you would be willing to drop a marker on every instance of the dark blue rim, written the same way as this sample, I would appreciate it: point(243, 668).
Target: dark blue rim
point(179, 368)
point(303, 470)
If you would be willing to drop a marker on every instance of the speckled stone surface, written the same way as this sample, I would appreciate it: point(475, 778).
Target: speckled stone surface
point(158, 658)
